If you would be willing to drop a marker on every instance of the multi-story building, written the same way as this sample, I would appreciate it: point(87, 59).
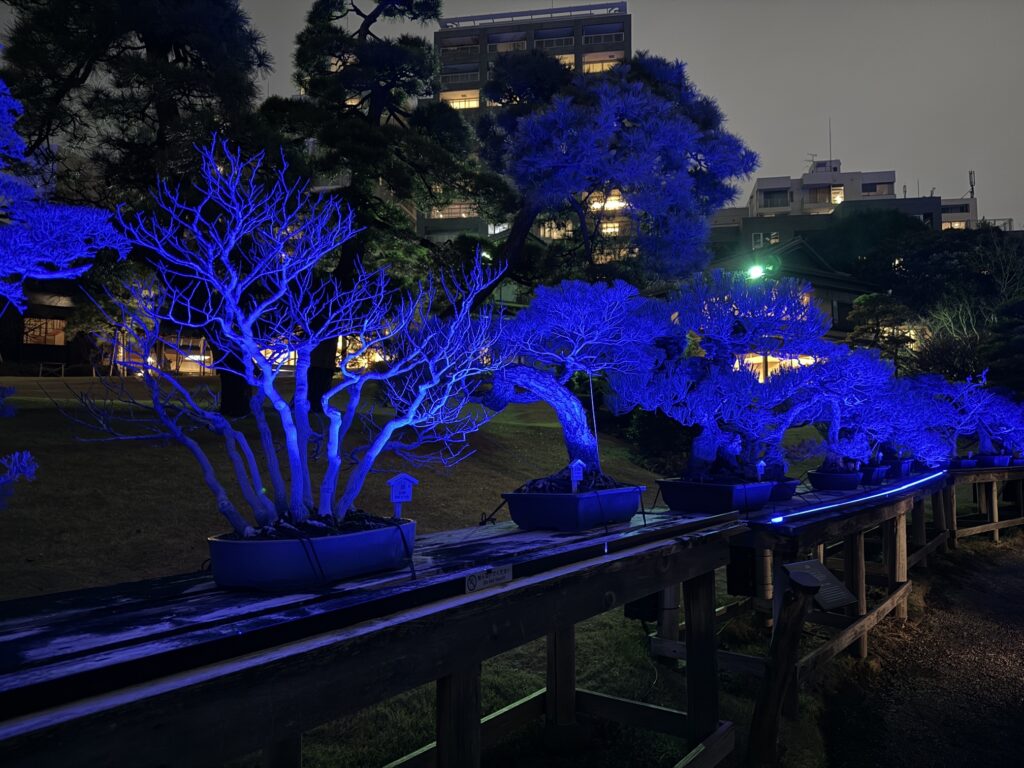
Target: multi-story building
point(586, 38)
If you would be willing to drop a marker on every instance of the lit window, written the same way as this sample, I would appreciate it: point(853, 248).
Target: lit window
point(838, 194)
point(566, 59)
point(506, 46)
point(756, 240)
point(610, 228)
point(460, 209)
point(601, 62)
point(954, 225)
point(44, 330)
point(461, 99)
point(613, 202)
point(773, 238)
point(553, 230)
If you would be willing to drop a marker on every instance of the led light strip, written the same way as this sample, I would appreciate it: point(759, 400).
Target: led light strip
point(887, 492)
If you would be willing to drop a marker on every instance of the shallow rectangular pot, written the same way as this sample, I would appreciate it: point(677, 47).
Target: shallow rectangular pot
point(574, 511)
point(693, 496)
point(277, 565)
point(834, 481)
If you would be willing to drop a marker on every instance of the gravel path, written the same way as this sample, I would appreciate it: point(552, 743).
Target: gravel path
point(947, 689)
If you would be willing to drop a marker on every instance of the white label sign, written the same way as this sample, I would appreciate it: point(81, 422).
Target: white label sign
point(489, 578)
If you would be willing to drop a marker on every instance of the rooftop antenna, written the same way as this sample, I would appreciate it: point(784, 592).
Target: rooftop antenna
point(904, 191)
point(812, 156)
point(970, 177)
point(918, 187)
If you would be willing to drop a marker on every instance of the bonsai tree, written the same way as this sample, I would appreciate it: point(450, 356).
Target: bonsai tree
point(853, 415)
point(917, 416)
point(717, 322)
point(236, 258)
point(973, 409)
point(569, 329)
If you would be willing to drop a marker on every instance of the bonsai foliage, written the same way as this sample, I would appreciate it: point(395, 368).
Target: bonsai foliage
point(716, 322)
point(237, 259)
point(972, 409)
point(574, 328)
point(40, 240)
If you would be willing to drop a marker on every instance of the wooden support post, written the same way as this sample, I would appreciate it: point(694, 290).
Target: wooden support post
point(939, 518)
point(855, 576)
point(668, 614)
point(763, 578)
point(949, 507)
point(780, 673)
point(458, 718)
point(1020, 498)
point(991, 490)
point(899, 546)
point(918, 534)
point(819, 552)
point(701, 657)
point(560, 705)
point(283, 754)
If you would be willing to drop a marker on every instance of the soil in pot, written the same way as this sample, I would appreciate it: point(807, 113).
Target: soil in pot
point(548, 503)
point(314, 554)
point(900, 468)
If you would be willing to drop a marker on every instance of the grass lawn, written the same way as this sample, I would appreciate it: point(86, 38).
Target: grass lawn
point(109, 512)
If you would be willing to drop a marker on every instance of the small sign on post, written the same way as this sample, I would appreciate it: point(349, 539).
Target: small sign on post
point(760, 470)
point(576, 473)
point(401, 490)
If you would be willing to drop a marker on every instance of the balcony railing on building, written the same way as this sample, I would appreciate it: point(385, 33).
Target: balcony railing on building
point(511, 45)
point(610, 37)
point(555, 42)
point(460, 77)
point(457, 50)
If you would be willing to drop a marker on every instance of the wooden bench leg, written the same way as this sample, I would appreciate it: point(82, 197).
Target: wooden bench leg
point(701, 657)
point(855, 576)
point(900, 560)
point(560, 705)
point(283, 754)
point(992, 491)
point(668, 614)
point(458, 718)
point(939, 519)
point(763, 578)
point(949, 507)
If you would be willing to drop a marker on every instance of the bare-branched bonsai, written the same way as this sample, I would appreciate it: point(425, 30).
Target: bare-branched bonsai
point(237, 258)
point(574, 328)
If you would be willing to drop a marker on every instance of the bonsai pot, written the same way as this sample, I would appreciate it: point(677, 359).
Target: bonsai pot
point(276, 565)
point(1017, 462)
point(959, 463)
point(693, 496)
point(874, 474)
point(573, 511)
point(834, 481)
point(784, 490)
point(994, 460)
point(900, 468)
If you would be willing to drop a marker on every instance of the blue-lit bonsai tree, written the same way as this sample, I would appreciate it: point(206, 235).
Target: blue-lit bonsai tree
point(853, 412)
point(718, 323)
point(917, 415)
point(973, 410)
point(569, 329)
point(237, 258)
point(38, 240)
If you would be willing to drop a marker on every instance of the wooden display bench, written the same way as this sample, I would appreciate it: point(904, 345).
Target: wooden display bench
point(986, 482)
point(177, 672)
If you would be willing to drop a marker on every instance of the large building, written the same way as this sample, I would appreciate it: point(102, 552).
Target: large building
point(586, 38)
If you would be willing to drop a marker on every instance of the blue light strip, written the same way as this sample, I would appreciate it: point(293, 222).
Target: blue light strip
point(880, 494)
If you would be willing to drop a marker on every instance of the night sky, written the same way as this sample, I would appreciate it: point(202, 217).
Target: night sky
point(930, 88)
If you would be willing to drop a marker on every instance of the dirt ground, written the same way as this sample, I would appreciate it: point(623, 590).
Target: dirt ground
point(945, 690)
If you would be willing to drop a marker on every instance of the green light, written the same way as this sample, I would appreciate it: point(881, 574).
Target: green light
point(756, 272)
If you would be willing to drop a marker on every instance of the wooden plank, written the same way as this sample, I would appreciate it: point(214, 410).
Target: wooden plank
point(854, 574)
point(899, 556)
point(274, 694)
point(493, 728)
point(764, 578)
point(458, 718)
point(921, 555)
point(713, 750)
point(974, 530)
point(780, 673)
point(939, 521)
point(812, 663)
point(702, 650)
point(727, 660)
point(633, 713)
point(828, 619)
point(561, 676)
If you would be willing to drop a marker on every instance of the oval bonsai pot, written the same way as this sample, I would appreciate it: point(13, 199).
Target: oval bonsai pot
point(1017, 462)
point(994, 459)
point(574, 511)
point(900, 468)
point(959, 463)
point(784, 490)
point(834, 481)
point(276, 565)
point(693, 496)
point(874, 474)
